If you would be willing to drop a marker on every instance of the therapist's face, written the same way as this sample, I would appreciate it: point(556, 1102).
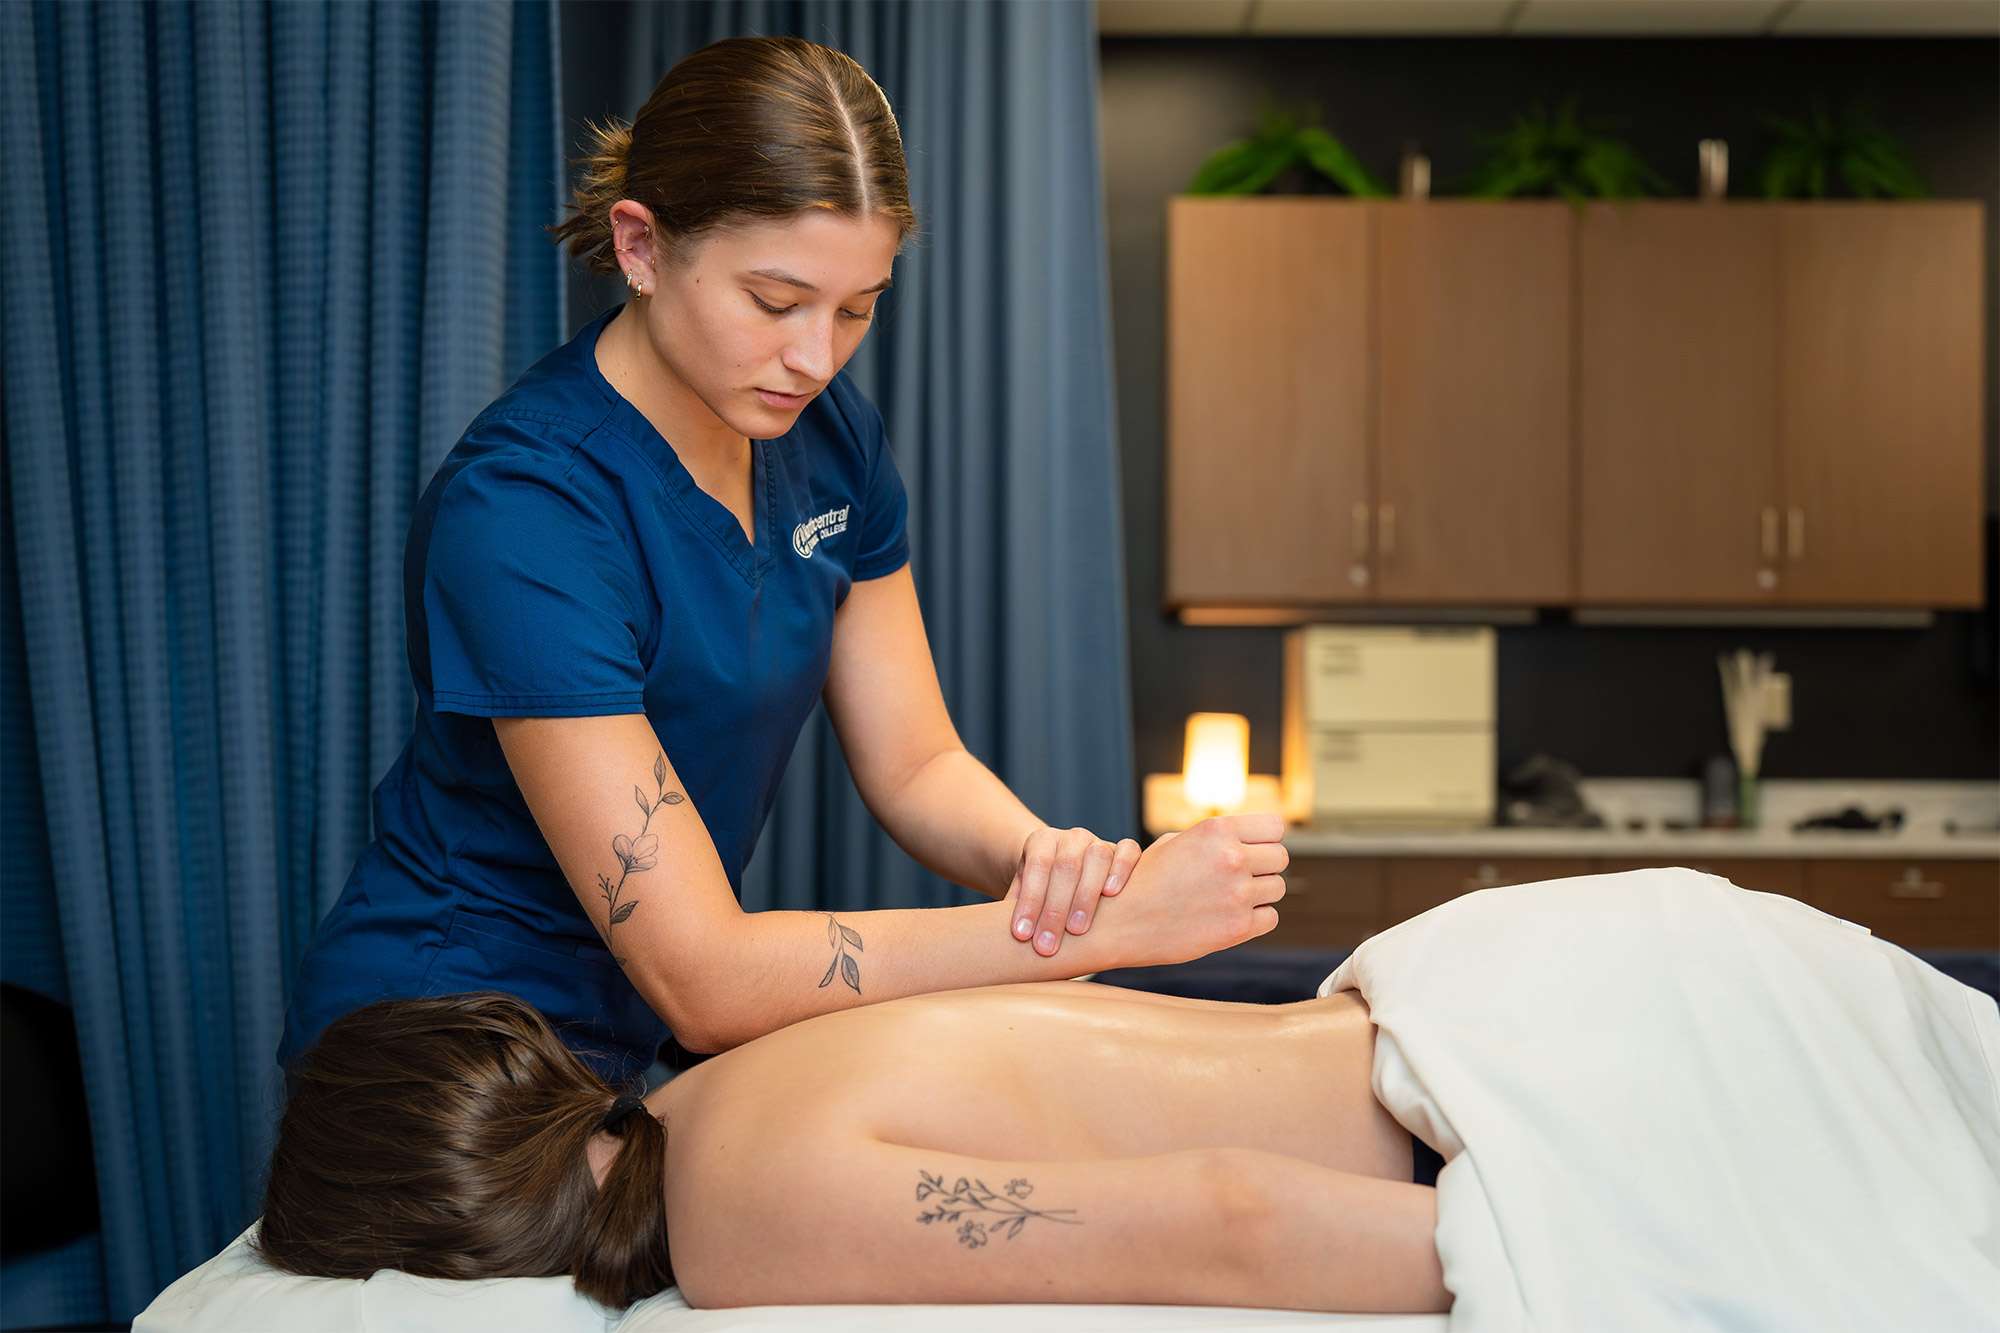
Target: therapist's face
point(734, 318)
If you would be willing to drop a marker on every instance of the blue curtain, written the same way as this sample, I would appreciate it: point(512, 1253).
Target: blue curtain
point(991, 363)
point(259, 266)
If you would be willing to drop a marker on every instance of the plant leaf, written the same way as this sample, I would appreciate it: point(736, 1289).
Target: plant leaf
point(851, 937)
point(1226, 167)
point(850, 972)
point(640, 797)
point(828, 978)
point(1328, 156)
point(1274, 160)
point(618, 917)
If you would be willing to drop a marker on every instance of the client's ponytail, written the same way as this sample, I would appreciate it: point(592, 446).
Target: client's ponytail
point(622, 1253)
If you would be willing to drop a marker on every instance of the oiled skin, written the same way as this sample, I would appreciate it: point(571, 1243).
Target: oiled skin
point(1051, 1071)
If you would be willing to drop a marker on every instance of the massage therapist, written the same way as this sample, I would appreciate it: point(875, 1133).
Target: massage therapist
point(630, 581)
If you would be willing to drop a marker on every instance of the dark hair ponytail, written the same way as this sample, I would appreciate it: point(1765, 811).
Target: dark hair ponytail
point(600, 184)
point(745, 129)
point(446, 1137)
point(622, 1253)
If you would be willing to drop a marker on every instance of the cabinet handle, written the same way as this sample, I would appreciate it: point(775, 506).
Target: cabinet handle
point(1769, 531)
point(1914, 885)
point(1795, 533)
point(1388, 530)
point(1360, 529)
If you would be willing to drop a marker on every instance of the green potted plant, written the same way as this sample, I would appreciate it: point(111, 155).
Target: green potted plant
point(1542, 156)
point(1288, 150)
point(1813, 151)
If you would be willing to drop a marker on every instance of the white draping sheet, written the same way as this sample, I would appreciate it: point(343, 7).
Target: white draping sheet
point(1669, 1103)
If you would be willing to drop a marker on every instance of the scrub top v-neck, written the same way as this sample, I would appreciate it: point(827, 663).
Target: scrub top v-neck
point(563, 562)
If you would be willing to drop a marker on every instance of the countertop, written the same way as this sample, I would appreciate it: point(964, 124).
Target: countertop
point(1904, 844)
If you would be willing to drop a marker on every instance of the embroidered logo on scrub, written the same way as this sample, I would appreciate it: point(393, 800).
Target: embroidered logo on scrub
point(806, 536)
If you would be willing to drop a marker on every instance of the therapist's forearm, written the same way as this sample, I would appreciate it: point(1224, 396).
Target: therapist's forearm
point(765, 970)
point(954, 817)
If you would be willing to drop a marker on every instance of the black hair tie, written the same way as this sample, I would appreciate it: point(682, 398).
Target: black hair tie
point(624, 1106)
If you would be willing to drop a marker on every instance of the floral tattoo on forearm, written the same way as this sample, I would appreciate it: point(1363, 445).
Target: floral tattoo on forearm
point(1008, 1213)
point(840, 937)
point(640, 853)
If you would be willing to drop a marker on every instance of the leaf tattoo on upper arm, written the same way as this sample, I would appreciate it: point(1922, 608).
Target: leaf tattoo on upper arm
point(1007, 1214)
point(635, 853)
point(840, 937)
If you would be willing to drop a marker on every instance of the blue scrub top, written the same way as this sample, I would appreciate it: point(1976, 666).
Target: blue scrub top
point(562, 563)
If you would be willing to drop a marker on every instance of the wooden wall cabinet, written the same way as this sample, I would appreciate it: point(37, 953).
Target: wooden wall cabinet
point(1268, 334)
point(1881, 366)
point(1473, 331)
point(1679, 498)
point(1367, 401)
point(1657, 403)
point(1780, 404)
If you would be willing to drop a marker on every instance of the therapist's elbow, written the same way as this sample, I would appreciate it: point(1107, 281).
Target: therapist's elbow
point(685, 1019)
point(711, 1038)
point(699, 1019)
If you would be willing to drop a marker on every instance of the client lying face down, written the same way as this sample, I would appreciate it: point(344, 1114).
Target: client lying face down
point(1052, 1141)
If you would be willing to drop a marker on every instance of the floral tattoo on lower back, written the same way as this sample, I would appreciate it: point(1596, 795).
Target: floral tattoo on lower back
point(1005, 1214)
point(635, 853)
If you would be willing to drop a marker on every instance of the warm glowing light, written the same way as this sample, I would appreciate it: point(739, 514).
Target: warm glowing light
point(1217, 763)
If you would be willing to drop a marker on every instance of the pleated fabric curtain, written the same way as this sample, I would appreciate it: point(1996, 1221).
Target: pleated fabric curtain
point(991, 363)
point(261, 265)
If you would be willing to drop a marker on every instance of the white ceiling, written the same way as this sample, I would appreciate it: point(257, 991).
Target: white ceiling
point(1497, 18)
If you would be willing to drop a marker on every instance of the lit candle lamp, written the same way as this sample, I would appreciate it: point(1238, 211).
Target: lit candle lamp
point(1214, 777)
point(1215, 767)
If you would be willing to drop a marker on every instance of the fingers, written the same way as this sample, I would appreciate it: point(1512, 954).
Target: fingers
point(1037, 860)
point(1072, 846)
point(1264, 920)
point(1097, 860)
point(1123, 858)
point(1266, 889)
point(1266, 858)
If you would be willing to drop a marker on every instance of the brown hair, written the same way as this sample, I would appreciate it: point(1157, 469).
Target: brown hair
point(445, 1137)
point(748, 128)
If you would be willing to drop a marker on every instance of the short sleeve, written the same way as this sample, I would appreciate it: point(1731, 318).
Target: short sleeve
point(883, 545)
point(529, 596)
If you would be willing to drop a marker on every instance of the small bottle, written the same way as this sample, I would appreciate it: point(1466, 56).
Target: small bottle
point(1718, 793)
point(1414, 176)
point(1712, 163)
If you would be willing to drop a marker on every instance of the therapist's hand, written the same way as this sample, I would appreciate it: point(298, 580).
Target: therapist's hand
point(1061, 876)
point(1211, 887)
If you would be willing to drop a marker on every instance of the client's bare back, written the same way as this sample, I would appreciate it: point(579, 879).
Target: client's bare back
point(1074, 1073)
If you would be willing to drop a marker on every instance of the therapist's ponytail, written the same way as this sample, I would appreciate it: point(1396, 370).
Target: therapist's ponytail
point(747, 129)
point(446, 1137)
point(600, 184)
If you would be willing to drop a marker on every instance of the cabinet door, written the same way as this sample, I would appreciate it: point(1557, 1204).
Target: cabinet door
point(1917, 904)
point(1763, 874)
point(1473, 435)
point(1677, 457)
point(1881, 352)
point(1417, 884)
point(1267, 399)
